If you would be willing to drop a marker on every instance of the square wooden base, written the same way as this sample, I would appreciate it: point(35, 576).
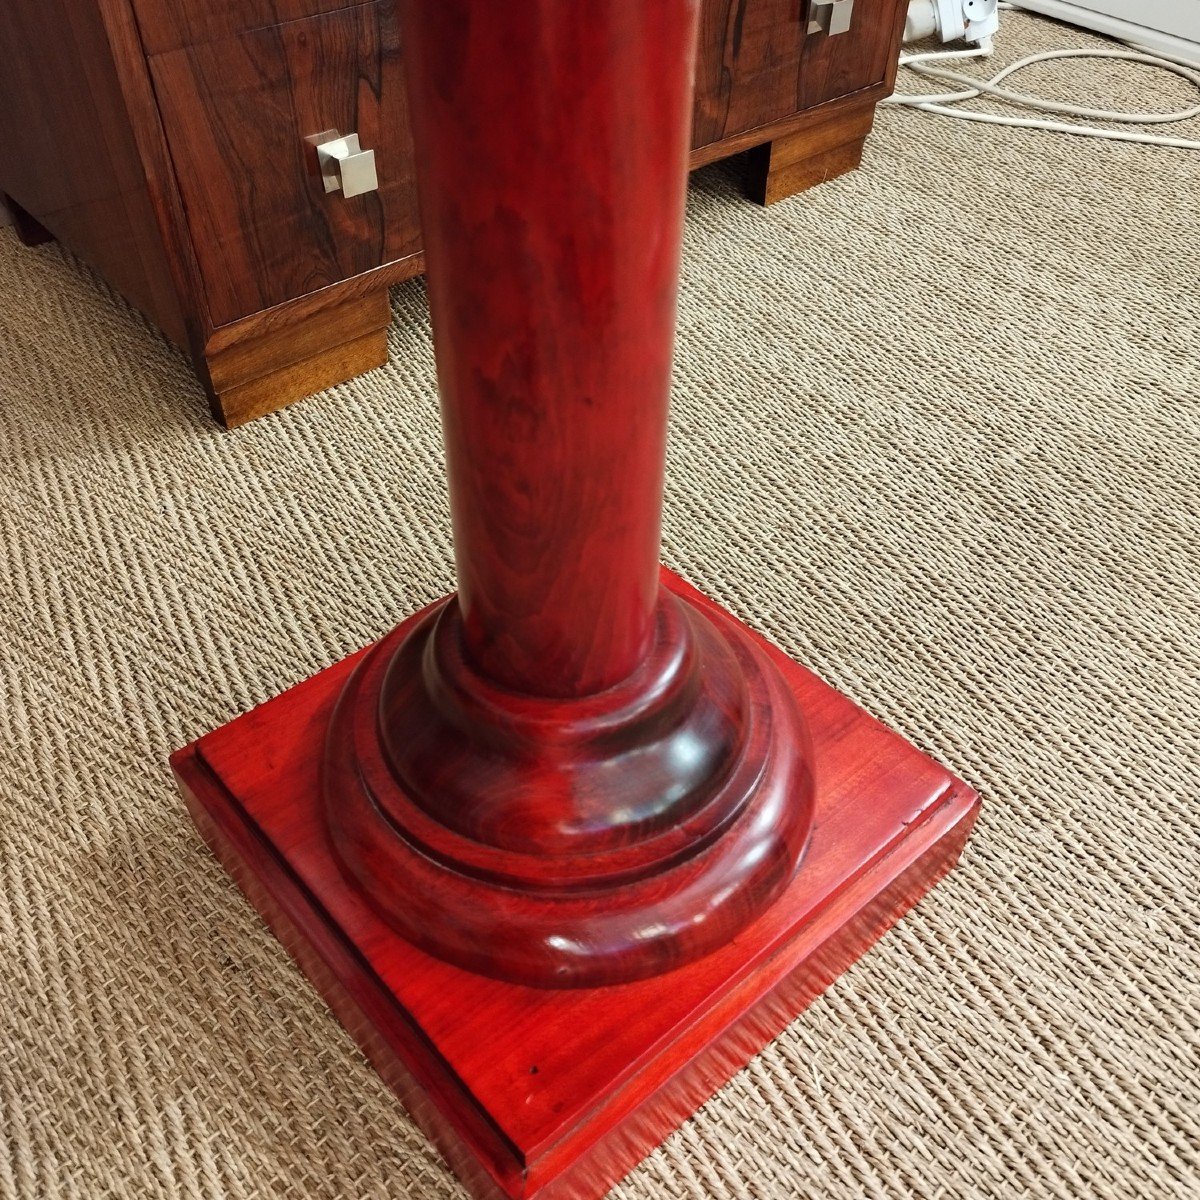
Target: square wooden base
point(534, 1093)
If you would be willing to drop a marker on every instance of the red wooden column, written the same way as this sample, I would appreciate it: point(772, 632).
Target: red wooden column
point(577, 777)
point(566, 848)
point(552, 140)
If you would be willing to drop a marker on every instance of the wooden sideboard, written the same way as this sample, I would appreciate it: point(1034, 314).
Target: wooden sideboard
point(167, 142)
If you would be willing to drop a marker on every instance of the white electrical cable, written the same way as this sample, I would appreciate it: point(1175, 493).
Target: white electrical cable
point(977, 86)
point(940, 103)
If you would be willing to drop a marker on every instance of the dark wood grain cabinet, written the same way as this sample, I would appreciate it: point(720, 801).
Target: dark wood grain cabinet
point(168, 142)
point(234, 111)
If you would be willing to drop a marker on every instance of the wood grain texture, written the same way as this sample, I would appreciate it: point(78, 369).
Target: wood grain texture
point(797, 125)
point(271, 392)
point(171, 24)
point(865, 54)
point(552, 226)
point(794, 162)
point(237, 113)
point(546, 846)
point(584, 780)
point(759, 66)
point(748, 66)
point(260, 373)
point(68, 153)
point(154, 158)
point(283, 317)
point(569, 843)
point(556, 1094)
point(267, 350)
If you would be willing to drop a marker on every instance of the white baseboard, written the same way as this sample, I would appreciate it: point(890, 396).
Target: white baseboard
point(1178, 17)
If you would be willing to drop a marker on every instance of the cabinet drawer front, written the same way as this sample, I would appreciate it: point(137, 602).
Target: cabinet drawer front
point(758, 64)
point(170, 24)
point(847, 62)
point(237, 113)
point(748, 65)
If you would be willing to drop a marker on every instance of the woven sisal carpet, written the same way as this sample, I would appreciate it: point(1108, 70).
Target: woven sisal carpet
point(951, 464)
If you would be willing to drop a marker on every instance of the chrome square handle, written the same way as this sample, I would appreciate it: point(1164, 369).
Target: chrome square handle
point(345, 166)
point(830, 16)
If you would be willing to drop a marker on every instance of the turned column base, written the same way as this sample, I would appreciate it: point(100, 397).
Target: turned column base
point(569, 843)
point(533, 1092)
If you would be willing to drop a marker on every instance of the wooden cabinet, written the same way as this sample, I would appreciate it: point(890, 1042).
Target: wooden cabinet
point(235, 112)
point(801, 102)
point(168, 142)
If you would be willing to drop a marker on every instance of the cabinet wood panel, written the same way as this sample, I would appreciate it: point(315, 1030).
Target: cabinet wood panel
point(238, 112)
point(747, 72)
point(74, 164)
point(759, 65)
point(170, 24)
point(864, 55)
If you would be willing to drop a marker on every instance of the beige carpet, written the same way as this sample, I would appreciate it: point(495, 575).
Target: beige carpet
point(936, 432)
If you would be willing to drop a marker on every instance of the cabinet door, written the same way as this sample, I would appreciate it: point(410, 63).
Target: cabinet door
point(758, 64)
point(864, 55)
point(748, 65)
point(238, 112)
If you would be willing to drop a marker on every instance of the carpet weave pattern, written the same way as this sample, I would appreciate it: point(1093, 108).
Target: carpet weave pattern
point(953, 467)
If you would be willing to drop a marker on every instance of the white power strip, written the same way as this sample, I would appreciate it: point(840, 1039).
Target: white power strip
point(952, 20)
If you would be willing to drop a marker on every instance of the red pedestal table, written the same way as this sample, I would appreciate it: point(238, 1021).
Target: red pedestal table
point(567, 848)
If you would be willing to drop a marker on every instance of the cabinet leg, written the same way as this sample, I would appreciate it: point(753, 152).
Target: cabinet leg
point(29, 230)
point(262, 364)
point(801, 160)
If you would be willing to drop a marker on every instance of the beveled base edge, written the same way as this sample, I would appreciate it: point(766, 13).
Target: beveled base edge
point(685, 1073)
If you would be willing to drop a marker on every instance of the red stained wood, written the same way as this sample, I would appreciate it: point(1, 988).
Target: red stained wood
point(564, 775)
point(552, 226)
point(561, 849)
point(617, 1067)
point(569, 842)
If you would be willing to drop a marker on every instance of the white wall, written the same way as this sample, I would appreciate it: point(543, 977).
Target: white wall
point(1169, 27)
point(1179, 17)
